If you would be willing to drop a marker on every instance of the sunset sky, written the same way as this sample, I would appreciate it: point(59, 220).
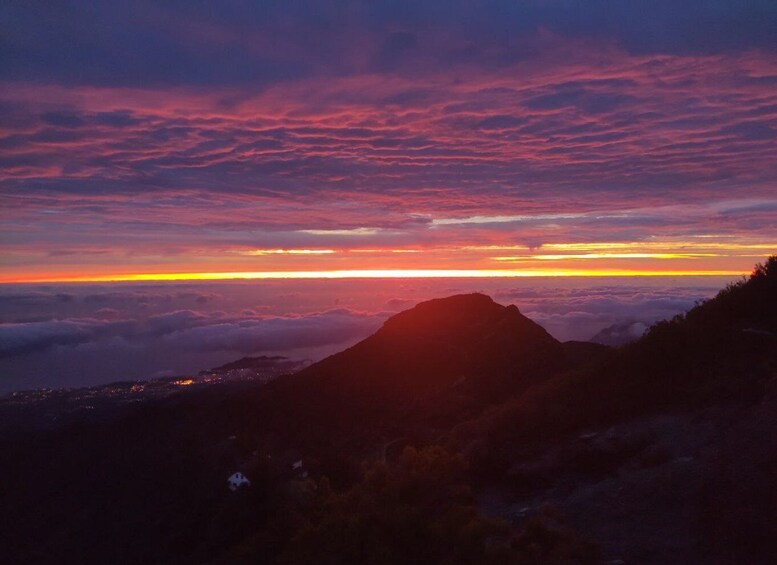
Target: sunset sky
point(154, 140)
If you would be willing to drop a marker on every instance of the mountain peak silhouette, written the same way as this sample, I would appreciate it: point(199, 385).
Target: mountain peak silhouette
point(464, 347)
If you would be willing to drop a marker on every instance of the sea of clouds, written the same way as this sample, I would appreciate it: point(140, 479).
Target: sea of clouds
point(58, 336)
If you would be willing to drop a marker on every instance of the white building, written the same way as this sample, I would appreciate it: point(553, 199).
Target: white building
point(299, 469)
point(238, 480)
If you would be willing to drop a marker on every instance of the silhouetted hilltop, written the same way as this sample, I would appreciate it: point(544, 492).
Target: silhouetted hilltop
point(440, 355)
point(719, 350)
point(750, 304)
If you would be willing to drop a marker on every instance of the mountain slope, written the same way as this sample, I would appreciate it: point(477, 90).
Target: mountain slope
point(723, 350)
point(664, 453)
point(441, 354)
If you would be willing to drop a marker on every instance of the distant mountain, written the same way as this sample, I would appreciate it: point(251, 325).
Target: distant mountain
point(620, 333)
point(456, 352)
point(263, 367)
point(261, 362)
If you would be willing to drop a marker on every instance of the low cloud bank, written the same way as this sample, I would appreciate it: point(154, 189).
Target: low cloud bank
point(84, 351)
point(78, 335)
point(580, 313)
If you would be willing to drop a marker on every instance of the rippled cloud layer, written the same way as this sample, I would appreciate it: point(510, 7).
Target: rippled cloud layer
point(173, 137)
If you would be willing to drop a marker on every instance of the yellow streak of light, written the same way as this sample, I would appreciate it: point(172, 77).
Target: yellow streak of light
point(374, 274)
point(384, 251)
point(257, 252)
point(551, 257)
point(635, 245)
point(661, 245)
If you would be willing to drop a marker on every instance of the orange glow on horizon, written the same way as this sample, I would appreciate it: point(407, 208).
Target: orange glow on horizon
point(371, 274)
point(654, 258)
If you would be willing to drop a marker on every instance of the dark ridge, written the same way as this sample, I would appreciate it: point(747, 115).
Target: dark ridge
point(440, 341)
point(440, 359)
point(261, 362)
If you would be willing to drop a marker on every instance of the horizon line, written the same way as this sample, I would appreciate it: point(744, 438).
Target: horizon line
point(368, 274)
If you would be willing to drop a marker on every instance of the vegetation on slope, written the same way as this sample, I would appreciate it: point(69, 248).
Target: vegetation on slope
point(150, 486)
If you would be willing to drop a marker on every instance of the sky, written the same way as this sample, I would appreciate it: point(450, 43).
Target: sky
point(188, 140)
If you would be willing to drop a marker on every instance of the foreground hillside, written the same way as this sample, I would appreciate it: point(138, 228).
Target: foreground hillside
point(431, 366)
point(460, 432)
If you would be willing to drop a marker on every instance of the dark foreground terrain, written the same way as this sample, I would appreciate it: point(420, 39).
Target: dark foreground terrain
point(461, 432)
